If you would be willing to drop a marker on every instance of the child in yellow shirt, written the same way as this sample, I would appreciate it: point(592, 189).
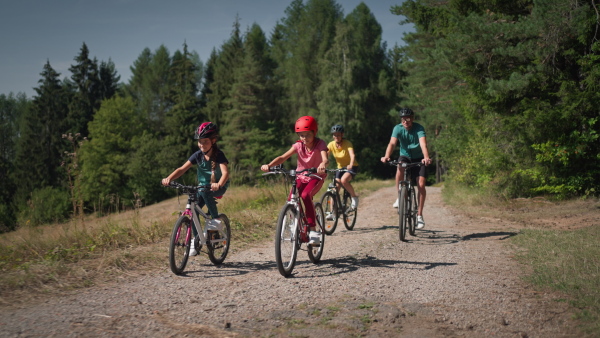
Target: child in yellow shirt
point(343, 152)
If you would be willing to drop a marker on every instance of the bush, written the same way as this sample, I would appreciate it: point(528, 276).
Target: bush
point(45, 206)
point(7, 219)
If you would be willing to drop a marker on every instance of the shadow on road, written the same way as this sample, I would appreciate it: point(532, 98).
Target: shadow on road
point(504, 235)
point(208, 270)
point(346, 264)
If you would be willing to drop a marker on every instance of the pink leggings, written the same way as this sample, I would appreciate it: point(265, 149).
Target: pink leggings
point(307, 190)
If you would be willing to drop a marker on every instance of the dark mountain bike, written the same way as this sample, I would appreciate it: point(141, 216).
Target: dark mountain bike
point(336, 205)
point(408, 205)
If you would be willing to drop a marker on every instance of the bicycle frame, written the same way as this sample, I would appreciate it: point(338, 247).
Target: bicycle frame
point(335, 187)
point(409, 208)
point(194, 212)
point(294, 198)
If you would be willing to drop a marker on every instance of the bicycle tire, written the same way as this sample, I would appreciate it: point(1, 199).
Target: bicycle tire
point(412, 223)
point(286, 240)
point(329, 204)
point(315, 252)
point(179, 247)
point(218, 242)
point(402, 206)
point(349, 213)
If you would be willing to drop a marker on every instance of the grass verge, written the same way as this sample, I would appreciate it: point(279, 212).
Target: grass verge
point(559, 241)
point(81, 253)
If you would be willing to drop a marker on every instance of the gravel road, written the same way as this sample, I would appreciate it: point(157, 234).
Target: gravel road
point(456, 278)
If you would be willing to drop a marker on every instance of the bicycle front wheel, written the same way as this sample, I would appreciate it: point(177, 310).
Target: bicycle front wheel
point(218, 241)
point(412, 215)
point(402, 209)
point(349, 212)
point(179, 248)
point(315, 252)
point(286, 240)
point(330, 208)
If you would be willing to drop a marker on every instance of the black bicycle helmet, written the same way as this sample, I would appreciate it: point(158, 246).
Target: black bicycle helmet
point(338, 128)
point(403, 112)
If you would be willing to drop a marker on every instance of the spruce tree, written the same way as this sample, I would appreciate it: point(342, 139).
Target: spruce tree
point(40, 147)
point(88, 97)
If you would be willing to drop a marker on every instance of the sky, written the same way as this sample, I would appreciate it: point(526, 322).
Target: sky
point(33, 32)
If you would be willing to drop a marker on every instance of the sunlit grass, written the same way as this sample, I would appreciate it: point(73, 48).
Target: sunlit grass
point(81, 252)
point(565, 259)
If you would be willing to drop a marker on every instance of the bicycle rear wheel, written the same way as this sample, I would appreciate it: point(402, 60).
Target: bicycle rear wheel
point(218, 241)
point(330, 208)
point(315, 252)
point(402, 209)
point(179, 248)
point(286, 240)
point(349, 212)
point(412, 215)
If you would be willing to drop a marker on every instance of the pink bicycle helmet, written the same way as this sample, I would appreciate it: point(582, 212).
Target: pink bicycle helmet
point(205, 130)
point(306, 123)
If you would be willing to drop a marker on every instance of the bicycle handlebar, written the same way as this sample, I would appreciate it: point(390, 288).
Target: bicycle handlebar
point(187, 189)
point(404, 164)
point(310, 172)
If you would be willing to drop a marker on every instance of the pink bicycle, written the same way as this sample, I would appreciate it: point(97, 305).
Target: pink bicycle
point(216, 241)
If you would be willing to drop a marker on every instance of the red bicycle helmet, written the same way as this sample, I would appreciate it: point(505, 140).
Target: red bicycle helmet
point(205, 130)
point(306, 123)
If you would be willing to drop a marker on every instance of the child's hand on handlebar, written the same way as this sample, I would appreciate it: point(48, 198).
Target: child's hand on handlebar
point(385, 159)
point(264, 167)
point(165, 181)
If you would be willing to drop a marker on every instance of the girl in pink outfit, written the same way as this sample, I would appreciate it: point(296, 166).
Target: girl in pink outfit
point(312, 153)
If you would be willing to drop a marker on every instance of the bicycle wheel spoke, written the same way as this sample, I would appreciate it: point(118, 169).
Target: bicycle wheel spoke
point(286, 240)
point(179, 247)
point(218, 241)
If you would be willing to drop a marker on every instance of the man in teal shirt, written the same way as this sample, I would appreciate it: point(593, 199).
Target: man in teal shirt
point(413, 148)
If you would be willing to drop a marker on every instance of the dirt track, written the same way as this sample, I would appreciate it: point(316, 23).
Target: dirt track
point(455, 279)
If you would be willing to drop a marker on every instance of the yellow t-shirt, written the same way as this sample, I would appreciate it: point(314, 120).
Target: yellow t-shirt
point(341, 155)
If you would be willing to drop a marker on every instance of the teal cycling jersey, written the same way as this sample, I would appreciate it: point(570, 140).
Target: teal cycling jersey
point(409, 140)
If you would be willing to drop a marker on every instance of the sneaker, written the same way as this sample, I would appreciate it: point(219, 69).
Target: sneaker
point(395, 203)
point(354, 203)
point(193, 251)
point(420, 222)
point(330, 217)
point(315, 238)
point(213, 225)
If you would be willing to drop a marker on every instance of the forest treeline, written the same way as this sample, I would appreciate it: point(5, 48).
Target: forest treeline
point(506, 89)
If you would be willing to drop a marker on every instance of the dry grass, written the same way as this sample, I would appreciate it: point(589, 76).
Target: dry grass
point(56, 258)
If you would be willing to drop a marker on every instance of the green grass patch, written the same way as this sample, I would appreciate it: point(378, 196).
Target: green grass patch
point(559, 240)
point(566, 261)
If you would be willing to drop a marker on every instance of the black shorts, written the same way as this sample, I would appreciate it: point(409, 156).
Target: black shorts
point(415, 171)
point(339, 174)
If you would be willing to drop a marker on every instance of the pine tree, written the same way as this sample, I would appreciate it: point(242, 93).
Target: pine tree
point(41, 132)
point(181, 120)
point(11, 109)
point(109, 80)
point(88, 97)
point(249, 137)
point(356, 87)
point(150, 85)
point(227, 61)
